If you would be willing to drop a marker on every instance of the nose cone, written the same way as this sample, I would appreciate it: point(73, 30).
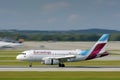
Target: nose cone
point(20, 57)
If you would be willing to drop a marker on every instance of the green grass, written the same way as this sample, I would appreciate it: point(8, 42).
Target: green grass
point(9, 52)
point(82, 63)
point(19, 63)
point(7, 58)
point(59, 75)
point(96, 63)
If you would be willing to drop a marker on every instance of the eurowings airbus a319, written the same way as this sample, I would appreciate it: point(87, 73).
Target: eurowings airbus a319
point(52, 57)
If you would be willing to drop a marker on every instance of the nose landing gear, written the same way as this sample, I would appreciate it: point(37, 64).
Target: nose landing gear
point(30, 65)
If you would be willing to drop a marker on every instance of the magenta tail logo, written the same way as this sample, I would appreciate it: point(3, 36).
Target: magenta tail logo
point(98, 46)
point(96, 50)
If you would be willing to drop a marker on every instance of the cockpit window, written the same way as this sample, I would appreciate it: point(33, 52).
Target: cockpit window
point(23, 53)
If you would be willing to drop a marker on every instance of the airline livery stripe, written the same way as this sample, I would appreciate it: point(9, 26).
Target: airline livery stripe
point(97, 49)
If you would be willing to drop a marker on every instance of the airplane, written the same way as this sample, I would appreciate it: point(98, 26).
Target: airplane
point(10, 44)
point(58, 57)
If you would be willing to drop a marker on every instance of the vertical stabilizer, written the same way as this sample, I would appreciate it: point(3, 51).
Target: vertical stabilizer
point(99, 47)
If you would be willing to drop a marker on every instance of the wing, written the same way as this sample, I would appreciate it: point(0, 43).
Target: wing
point(64, 57)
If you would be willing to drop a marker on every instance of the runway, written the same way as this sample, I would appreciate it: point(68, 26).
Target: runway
point(53, 69)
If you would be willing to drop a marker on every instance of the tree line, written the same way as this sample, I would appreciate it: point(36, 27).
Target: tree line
point(57, 37)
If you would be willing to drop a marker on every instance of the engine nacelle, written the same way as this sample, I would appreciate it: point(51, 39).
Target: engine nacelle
point(50, 61)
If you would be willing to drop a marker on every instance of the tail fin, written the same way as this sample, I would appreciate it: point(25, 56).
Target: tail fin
point(99, 47)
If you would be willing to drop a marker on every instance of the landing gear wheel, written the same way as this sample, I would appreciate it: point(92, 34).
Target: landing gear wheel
point(61, 65)
point(30, 65)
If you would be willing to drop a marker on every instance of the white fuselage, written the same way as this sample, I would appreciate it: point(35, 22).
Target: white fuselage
point(39, 55)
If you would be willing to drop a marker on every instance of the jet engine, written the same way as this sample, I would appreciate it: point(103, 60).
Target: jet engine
point(50, 61)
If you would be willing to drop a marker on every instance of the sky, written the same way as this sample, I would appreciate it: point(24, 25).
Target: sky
point(59, 14)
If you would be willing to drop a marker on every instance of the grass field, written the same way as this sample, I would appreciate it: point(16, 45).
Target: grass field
point(82, 63)
point(9, 52)
point(59, 75)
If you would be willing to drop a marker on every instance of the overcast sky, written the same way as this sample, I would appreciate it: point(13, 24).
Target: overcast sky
point(59, 14)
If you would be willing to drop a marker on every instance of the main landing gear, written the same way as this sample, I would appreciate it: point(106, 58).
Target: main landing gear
point(61, 65)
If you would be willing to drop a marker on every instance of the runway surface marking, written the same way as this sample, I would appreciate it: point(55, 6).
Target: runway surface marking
point(45, 69)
